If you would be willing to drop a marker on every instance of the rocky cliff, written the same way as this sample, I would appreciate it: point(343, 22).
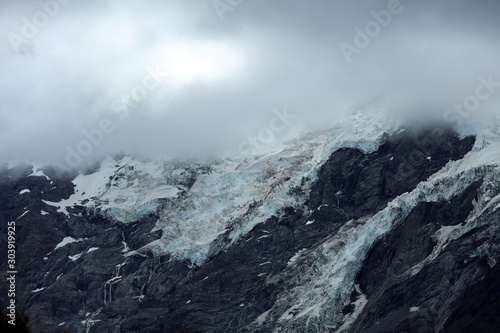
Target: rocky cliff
point(384, 230)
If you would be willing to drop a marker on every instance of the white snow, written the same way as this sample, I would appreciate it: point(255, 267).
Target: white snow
point(322, 292)
point(75, 257)
point(26, 212)
point(125, 247)
point(66, 241)
point(121, 189)
point(44, 212)
point(24, 191)
point(321, 206)
point(38, 290)
point(295, 257)
point(38, 173)
point(92, 249)
point(444, 232)
point(231, 195)
point(414, 308)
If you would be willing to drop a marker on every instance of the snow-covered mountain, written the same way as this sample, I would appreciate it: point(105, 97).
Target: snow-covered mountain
point(367, 226)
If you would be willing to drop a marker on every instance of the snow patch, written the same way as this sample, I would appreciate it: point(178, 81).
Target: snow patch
point(444, 232)
point(38, 290)
point(75, 257)
point(26, 212)
point(66, 241)
point(38, 173)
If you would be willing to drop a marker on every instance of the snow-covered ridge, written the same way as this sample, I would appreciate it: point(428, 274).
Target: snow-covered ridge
point(197, 202)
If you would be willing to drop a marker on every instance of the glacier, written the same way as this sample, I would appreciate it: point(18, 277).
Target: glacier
point(231, 195)
point(204, 207)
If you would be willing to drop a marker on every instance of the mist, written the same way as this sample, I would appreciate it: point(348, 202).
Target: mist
point(80, 80)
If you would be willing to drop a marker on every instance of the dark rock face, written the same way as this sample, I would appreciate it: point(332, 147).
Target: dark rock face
point(479, 311)
point(355, 185)
point(91, 279)
point(411, 242)
point(387, 279)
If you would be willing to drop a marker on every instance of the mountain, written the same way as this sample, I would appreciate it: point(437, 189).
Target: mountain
point(368, 226)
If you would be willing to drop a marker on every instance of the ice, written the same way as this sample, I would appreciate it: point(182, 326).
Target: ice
point(239, 193)
point(202, 202)
point(124, 190)
point(321, 293)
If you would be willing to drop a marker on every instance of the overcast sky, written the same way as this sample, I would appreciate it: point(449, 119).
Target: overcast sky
point(192, 76)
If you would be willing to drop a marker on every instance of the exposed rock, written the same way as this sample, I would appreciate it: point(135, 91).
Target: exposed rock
point(105, 281)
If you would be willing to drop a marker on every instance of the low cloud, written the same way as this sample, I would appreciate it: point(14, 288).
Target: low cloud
point(75, 71)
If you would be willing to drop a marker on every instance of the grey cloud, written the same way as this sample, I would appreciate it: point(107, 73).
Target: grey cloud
point(92, 53)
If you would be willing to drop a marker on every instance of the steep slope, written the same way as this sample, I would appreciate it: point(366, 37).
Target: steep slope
point(479, 311)
point(362, 228)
